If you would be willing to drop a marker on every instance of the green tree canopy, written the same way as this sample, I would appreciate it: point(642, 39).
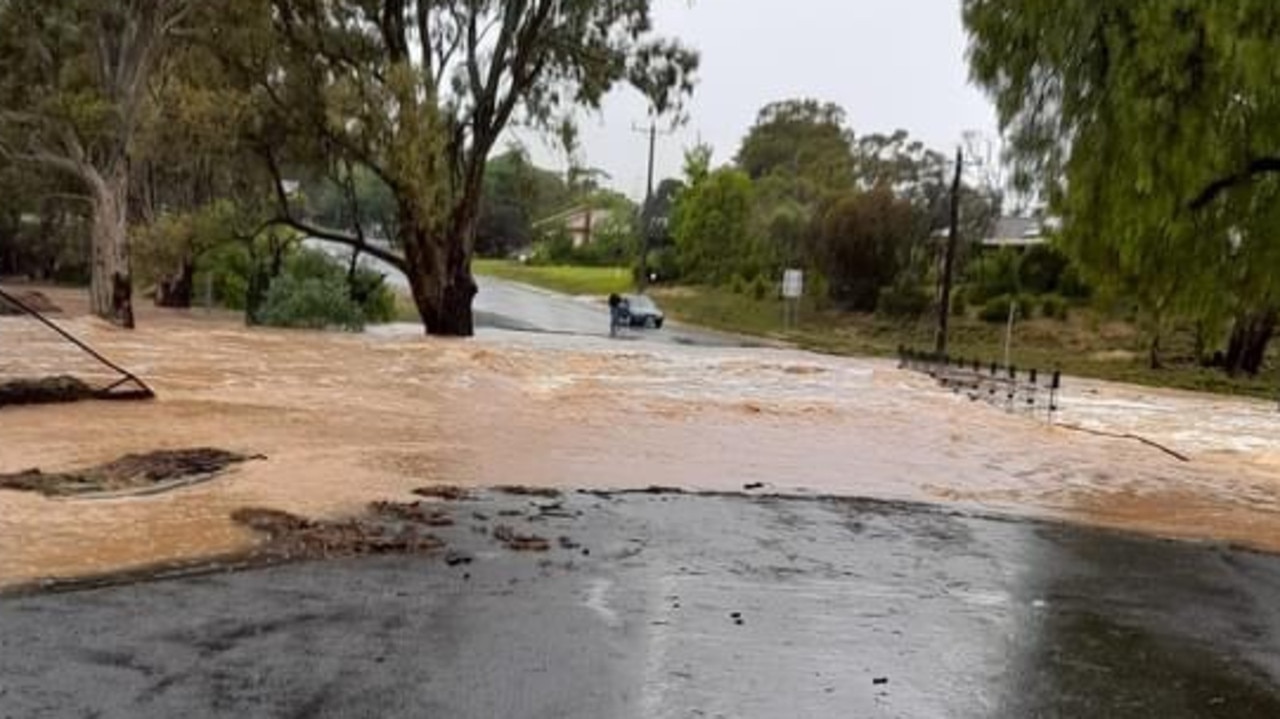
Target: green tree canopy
point(712, 226)
point(1152, 127)
point(419, 92)
point(803, 140)
point(862, 242)
point(73, 77)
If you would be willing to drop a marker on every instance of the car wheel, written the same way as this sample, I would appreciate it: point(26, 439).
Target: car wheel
point(657, 325)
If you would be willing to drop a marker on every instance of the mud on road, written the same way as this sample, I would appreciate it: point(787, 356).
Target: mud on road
point(658, 605)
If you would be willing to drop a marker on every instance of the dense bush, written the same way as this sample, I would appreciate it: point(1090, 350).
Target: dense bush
point(858, 244)
point(312, 289)
point(224, 273)
point(1053, 307)
point(905, 301)
point(665, 263)
point(1072, 285)
point(1041, 269)
point(996, 309)
point(816, 289)
point(311, 303)
point(992, 275)
point(761, 288)
point(959, 302)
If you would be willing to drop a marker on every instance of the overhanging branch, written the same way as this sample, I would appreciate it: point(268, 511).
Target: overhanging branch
point(289, 219)
point(1259, 166)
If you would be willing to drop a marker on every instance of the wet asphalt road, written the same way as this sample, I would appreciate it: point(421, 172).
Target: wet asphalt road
point(678, 606)
point(513, 306)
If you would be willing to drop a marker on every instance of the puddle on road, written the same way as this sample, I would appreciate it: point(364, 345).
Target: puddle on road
point(345, 419)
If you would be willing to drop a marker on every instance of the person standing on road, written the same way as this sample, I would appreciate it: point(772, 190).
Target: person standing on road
point(617, 307)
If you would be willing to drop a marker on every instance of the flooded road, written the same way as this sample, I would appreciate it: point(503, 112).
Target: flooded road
point(345, 419)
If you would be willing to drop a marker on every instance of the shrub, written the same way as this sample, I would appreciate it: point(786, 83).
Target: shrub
point(377, 301)
point(816, 289)
point(738, 285)
point(761, 287)
point(1041, 269)
point(311, 303)
point(959, 302)
point(1073, 285)
point(224, 270)
point(906, 301)
point(996, 309)
point(666, 263)
point(1053, 307)
point(992, 275)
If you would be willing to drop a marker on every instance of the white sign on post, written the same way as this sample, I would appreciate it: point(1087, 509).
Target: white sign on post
point(793, 284)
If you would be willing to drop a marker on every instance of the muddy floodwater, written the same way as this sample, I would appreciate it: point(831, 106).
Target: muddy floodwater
point(346, 419)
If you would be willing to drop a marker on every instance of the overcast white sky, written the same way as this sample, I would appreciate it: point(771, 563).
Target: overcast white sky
point(890, 63)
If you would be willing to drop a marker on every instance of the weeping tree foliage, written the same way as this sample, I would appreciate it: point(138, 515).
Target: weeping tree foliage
point(418, 92)
point(72, 81)
point(1152, 127)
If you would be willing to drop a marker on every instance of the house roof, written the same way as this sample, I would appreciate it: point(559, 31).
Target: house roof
point(1016, 232)
point(572, 213)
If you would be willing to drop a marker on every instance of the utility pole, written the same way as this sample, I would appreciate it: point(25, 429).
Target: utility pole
point(948, 259)
point(645, 228)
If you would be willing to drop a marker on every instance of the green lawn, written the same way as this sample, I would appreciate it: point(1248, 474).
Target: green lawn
point(598, 281)
point(1083, 345)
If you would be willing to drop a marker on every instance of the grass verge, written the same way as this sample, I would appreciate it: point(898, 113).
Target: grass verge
point(597, 281)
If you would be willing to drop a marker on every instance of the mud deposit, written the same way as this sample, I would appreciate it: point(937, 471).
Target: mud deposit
point(129, 473)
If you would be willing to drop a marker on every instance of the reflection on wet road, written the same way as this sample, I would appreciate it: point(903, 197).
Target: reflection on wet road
point(348, 418)
point(682, 607)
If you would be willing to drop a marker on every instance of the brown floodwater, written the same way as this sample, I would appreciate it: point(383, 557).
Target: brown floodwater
point(346, 419)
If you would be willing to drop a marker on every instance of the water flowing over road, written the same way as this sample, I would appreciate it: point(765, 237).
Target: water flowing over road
point(348, 418)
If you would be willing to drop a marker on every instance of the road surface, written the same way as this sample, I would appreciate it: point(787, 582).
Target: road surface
point(505, 305)
point(514, 306)
point(678, 606)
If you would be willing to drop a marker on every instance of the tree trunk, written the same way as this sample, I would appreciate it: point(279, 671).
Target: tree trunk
point(1249, 340)
point(1153, 352)
point(176, 289)
point(443, 297)
point(438, 266)
point(111, 279)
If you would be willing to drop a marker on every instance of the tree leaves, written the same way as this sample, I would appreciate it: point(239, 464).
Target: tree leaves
point(1148, 125)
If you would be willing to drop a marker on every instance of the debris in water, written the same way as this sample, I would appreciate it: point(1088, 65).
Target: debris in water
point(568, 543)
point(880, 680)
point(522, 491)
point(140, 472)
point(520, 542)
point(417, 512)
point(46, 390)
point(447, 492)
point(753, 486)
point(34, 300)
point(455, 558)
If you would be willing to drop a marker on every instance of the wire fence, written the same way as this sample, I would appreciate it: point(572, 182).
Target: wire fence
point(1030, 391)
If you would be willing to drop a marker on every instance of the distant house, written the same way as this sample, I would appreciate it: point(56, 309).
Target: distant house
point(1021, 232)
point(582, 223)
